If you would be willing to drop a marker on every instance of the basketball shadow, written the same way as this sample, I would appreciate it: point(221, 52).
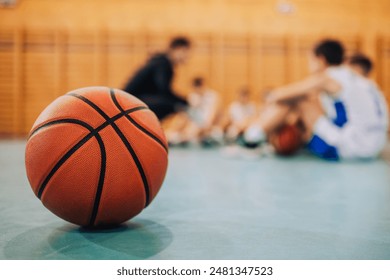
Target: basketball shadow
point(138, 239)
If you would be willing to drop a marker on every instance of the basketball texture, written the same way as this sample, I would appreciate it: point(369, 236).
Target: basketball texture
point(96, 156)
point(286, 140)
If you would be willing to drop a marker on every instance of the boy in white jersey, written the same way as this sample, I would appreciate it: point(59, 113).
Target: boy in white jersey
point(197, 123)
point(353, 125)
point(240, 112)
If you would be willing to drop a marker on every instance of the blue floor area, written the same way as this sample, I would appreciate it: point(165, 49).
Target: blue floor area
point(211, 207)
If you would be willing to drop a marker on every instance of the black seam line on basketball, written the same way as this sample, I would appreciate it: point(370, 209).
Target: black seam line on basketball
point(93, 133)
point(102, 172)
point(60, 121)
point(102, 176)
point(137, 125)
point(66, 156)
point(102, 126)
point(125, 142)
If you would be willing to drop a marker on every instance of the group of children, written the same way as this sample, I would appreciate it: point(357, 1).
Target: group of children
point(336, 112)
point(205, 122)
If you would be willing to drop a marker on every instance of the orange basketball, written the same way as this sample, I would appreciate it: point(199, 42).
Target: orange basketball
point(286, 140)
point(96, 156)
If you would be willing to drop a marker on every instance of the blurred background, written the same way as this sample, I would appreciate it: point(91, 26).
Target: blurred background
point(50, 47)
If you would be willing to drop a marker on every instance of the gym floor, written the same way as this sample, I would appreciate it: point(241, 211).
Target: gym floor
point(211, 207)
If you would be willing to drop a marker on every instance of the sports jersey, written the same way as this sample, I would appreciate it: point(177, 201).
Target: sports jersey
point(356, 119)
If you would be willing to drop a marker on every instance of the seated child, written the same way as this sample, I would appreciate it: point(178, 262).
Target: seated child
point(240, 113)
point(197, 123)
point(353, 124)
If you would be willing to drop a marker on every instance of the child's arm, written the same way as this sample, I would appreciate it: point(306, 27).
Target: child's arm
point(313, 83)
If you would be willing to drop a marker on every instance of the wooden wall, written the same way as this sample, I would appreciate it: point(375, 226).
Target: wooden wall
point(50, 47)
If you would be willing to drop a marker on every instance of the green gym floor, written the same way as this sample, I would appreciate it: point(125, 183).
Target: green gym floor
point(211, 207)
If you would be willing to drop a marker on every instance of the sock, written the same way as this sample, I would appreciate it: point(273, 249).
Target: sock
point(254, 134)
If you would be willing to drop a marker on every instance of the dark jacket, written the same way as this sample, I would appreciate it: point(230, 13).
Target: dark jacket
point(154, 79)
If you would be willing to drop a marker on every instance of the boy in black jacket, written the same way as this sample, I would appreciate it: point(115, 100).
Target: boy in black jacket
point(153, 82)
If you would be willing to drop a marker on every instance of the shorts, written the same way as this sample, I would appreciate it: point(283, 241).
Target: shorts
point(319, 146)
point(322, 149)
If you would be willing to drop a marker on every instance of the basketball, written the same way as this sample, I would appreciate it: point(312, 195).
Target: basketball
point(96, 156)
point(286, 140)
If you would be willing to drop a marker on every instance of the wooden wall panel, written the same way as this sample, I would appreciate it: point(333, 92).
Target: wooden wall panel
point(236, 66)
point(265, 16)
point(82, 64)
point(50, 47)
point(7, 80)
point(39, 87)
point(383, 65)
point(37, 65)
point(121, 58)
point(273, 51)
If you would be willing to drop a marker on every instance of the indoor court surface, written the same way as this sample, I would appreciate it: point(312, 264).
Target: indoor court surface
point(210, 207)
